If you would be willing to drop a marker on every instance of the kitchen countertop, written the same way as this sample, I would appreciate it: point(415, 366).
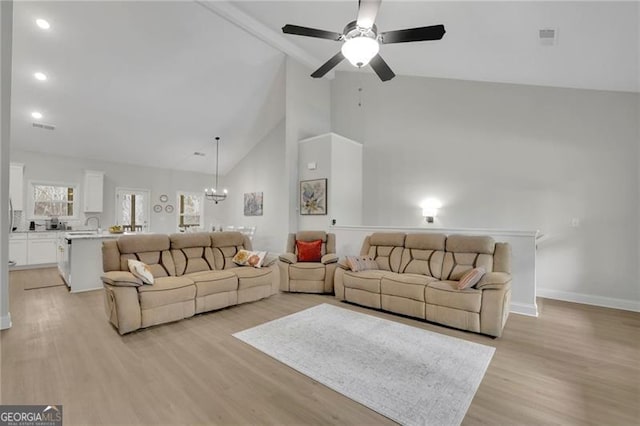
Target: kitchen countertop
point(71, 236)
point(27, 231)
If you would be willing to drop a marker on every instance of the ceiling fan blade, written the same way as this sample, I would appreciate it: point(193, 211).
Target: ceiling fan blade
point(311, 32)
point(381, 68)
point(434, 32)
point(367, 12)
point(328, 66)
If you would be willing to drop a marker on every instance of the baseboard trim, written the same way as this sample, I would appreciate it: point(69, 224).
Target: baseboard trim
point(524, 309)
point(5, 321)
point(588, 299)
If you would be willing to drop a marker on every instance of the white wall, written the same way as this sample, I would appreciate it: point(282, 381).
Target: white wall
point(47, 167)
point(262, 170)
point(6, 34)
point(507, 157)
point(308, 113)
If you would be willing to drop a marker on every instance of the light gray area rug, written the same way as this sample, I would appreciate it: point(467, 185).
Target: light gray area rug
point(410, 375)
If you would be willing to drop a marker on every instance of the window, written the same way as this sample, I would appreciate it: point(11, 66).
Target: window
point(190, 210)
point(53, 200)
point(132, 209)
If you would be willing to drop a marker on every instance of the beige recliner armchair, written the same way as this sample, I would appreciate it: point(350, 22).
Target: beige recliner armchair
point(308, 277)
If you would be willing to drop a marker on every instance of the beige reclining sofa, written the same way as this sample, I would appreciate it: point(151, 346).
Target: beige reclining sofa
point(418, 276)
point(193, 273)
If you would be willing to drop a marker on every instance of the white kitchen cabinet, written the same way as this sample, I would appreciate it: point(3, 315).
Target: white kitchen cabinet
point(16, 185)
point(42, 248)
point(18, 249)
point(93, 191)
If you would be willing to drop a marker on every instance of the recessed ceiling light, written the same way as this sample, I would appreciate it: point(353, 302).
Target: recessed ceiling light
point(40, 76)
point(36, 115)
point(43, 24)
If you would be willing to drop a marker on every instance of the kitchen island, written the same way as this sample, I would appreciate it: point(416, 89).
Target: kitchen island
point(80, 260)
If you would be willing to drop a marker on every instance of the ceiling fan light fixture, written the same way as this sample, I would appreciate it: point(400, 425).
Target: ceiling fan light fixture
point(360, 50)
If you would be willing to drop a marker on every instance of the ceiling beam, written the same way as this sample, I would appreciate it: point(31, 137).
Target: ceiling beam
point(231, 13)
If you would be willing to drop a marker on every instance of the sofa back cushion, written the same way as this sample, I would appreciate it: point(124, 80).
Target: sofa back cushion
point(152, 249)
point(423, 254)
point(225, 245)
point(464, 253)
point(191, 252)
point(386, 248)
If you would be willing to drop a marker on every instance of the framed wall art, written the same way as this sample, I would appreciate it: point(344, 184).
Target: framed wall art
point(313, 197)
point(253, 203)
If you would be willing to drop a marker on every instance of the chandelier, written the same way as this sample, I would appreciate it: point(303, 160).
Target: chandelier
point(212, 194)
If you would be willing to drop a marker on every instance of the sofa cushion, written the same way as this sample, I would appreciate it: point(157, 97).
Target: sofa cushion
point(310, 271)
point(191, 239)
point(365, 280)
point(128, 244)
point(410, 286)
point(152, 249)
point(211, 282)
point(252, 277)
point(470, 244)
point(446, 293)
point(165, 291)
point(387, 239)
point(225, 245)
point(425, 241)
point(191, 252)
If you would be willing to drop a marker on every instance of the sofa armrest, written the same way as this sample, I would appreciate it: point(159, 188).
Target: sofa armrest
point(288, 258)
point(121, 279)
point(329, 258)
point(342, 264)
point(494, 280)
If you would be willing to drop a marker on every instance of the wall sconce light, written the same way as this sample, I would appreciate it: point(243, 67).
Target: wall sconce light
point(430, 209)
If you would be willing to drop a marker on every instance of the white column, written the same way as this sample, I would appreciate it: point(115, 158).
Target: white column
point(6, 41)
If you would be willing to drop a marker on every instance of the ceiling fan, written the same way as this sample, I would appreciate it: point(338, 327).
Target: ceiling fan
point(361, 40)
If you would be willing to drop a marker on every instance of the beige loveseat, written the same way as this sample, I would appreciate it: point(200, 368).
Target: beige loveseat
point(308, 277)
point(193, 273)
point(418, 276)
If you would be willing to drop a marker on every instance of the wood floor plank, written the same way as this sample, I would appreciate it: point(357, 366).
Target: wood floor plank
point(575, 364)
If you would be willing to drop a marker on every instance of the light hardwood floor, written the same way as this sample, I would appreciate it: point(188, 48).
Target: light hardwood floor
point(575, 364)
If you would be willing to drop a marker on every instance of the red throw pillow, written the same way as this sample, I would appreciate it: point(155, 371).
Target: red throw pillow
point(309, 251)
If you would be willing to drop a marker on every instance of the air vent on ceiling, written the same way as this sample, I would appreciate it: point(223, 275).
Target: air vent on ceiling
point(44, 126)
point(199, 154)
point(548, 36)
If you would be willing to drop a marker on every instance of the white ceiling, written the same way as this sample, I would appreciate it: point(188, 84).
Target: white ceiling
point(146, 83)
point(151, 82)
point(598, 42)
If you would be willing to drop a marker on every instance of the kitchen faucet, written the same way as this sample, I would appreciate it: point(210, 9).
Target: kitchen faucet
point(86, 222)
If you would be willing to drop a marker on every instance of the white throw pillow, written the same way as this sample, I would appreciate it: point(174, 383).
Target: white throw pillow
point(141, 270)
point(249, 258)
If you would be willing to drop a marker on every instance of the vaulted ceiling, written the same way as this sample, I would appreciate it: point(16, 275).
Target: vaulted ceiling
point(152, 82)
